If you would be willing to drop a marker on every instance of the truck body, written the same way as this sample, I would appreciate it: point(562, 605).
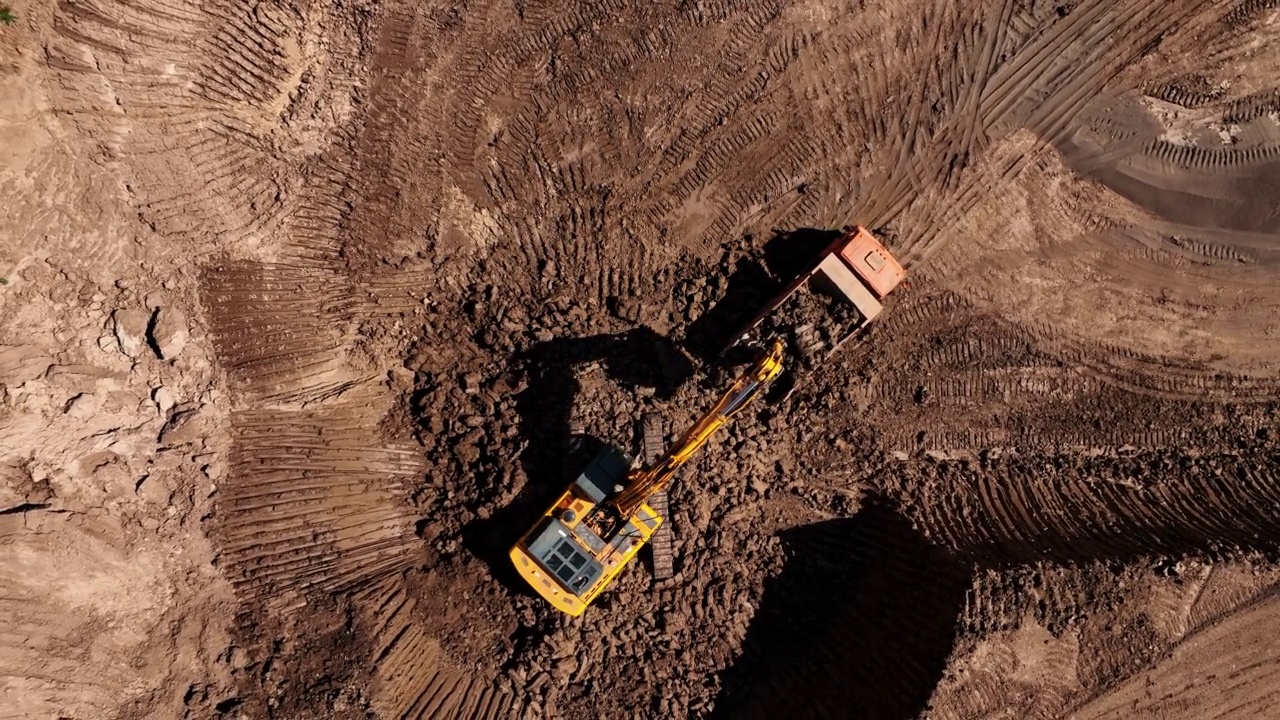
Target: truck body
point(831, 301)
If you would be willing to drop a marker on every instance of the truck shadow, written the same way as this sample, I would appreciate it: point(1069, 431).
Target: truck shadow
point(754, 281)
point(859, 624)
point(637, 358)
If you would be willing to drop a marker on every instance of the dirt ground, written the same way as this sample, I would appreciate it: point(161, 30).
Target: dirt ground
point(301, 297)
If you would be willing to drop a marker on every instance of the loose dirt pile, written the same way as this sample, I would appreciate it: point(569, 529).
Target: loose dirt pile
point(814, 324)
point(300, 300)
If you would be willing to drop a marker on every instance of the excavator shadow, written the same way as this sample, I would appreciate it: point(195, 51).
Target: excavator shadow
point(859, 624)
point(754, 281)
point(551, 458)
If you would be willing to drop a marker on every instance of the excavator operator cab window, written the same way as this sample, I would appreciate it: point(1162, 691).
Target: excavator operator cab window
point(570, 565)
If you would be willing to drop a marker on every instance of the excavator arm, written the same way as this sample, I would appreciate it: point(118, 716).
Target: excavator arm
point(644, 482)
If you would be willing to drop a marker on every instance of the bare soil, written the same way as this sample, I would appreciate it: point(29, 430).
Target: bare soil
point(301, 299)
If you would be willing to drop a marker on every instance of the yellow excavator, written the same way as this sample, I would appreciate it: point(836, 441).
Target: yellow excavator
point(603, 519)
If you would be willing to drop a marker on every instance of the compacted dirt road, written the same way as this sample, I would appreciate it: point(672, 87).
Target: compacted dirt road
point(300, 299)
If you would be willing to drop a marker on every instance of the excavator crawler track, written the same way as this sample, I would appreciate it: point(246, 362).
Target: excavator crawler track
point(652, 445)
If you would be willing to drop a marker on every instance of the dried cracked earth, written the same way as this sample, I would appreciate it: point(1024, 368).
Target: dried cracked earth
point(300, 299)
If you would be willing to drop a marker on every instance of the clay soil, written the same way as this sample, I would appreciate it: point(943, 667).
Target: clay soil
point(301, 298)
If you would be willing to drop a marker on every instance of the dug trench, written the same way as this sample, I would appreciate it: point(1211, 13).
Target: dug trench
point(543, 380)
point(546, 389)
point(551, 457)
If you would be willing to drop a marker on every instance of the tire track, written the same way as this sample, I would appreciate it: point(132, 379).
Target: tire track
point(949, 378)
point(1047, 75)
point(1132, 256)
point(317, 504)
point(312, 506)
point(279, 331)
point(1247, 11)
point(1014, 513)
point(1227, 589)
point(583, 186)
point(1235, 671)
point(194, 105)
point(1019, 669)
point(412, 672)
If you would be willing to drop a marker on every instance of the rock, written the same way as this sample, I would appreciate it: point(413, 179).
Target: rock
point(154, 490)
point(400, 377)
point(563, 668)
point(495, 338)
point(627, 308)
point(467, 453)
point(130, 328)
point(214, 470)
point(19, 363)
point(167, 333)
point(506, 384)
point(60, 372)
point(423, 361)
point(168, 459)
point(163, 398)
point(759, 486)
point(18, 488)
point(82, 406)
